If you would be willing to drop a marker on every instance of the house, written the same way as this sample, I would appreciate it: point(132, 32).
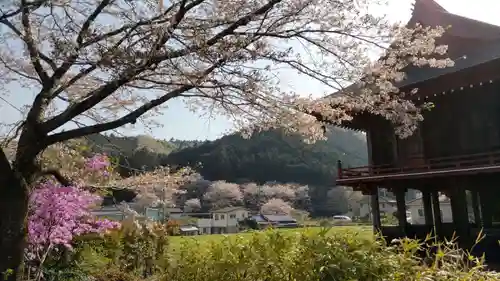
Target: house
point(416, 209)
point(204, 222)
point(157, 214)
point(387, 206)
point(109, 212)
point(225, 220)
point(279, 221)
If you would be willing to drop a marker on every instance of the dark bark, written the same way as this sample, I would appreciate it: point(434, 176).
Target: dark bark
point(13, 221)
point(15, 181)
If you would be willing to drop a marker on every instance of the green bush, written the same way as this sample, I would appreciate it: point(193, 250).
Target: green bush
point(320, 255)
point(325, 222)
point(114, 274)
point(274, 255)
point(389, 219)
point(138, 250)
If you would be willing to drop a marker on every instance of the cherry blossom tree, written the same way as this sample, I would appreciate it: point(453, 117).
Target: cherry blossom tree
point(94, 66)
point(276, 206)
point(192, 205)
point(222, 194)
point(252, 195)
point(275, 190)
point(157, 188)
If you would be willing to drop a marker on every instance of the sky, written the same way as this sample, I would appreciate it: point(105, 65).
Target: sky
point(179, 123)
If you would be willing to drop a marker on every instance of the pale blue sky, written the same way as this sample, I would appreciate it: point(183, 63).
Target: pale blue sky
point(178, 122)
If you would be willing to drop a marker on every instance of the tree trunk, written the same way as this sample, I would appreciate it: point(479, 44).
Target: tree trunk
point(14, 197)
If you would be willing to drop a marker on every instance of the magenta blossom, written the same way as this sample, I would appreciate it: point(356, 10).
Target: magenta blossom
point(60, 213)
point(97, 162)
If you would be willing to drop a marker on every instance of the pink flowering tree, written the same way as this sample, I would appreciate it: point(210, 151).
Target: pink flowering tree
point(276, 206)
point(222, 194)
point(58, 213)
point(192, 205)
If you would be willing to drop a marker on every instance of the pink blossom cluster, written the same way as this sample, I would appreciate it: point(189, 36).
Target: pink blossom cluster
point(57, 214)
point(98, 162)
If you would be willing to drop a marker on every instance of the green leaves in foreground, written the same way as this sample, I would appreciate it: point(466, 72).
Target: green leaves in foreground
point(312, 255)
point(280, 255)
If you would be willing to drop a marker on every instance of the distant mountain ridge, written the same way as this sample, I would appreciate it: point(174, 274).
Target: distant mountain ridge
point(266, 156)
point(274, 156)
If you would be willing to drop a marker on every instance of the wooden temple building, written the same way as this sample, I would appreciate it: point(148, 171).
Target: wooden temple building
point(456, 149)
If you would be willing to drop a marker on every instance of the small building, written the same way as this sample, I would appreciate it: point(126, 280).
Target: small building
point(203, 222)
point(109, 212)
point(226, 220)
point(278, 221)
point(387, 206)
point(416, 209)
point(281, 221)
point(261, 221)
point(157, 214)
point(189, 230)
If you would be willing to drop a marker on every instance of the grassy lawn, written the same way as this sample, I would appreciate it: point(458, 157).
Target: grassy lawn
point(363, 232)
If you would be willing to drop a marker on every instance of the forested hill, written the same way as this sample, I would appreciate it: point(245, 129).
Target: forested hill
point(268, 156)
point(273, 156)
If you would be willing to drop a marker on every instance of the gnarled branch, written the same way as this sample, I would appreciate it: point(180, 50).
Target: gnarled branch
point(57, 175)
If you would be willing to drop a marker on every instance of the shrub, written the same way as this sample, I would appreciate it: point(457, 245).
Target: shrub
point(389, 219)
point(271, 255)
point(138, 250)
point(114, 274)
point(173, 227)
point(276, 255)
point(320, 255)
point(325, 223)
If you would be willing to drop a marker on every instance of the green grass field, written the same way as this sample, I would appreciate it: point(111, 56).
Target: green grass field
point(363, 232)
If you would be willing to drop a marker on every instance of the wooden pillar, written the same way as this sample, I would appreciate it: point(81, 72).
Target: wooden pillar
point(401, 209)
point(427, 202)
point(460, 214)
point(486, 207)
point(339, 169)
point(375, 206)
point(475, 207)
point(436, 211)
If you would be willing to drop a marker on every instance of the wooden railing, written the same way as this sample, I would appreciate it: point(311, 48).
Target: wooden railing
point(442, 163)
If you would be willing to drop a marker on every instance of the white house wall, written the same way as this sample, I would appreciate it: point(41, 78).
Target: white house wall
point(417, 213)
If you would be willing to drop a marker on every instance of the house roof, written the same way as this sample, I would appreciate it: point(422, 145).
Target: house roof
point(169, 210)
point(258, 218)
point(188, 228)
point(278, 218)
point(227, 209)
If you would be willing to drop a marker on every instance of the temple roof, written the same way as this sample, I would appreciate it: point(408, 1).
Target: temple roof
point(430, 13)
point(471, 42)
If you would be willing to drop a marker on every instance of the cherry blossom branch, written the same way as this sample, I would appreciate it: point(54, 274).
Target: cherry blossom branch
point(131, 117)
point(30, 43)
